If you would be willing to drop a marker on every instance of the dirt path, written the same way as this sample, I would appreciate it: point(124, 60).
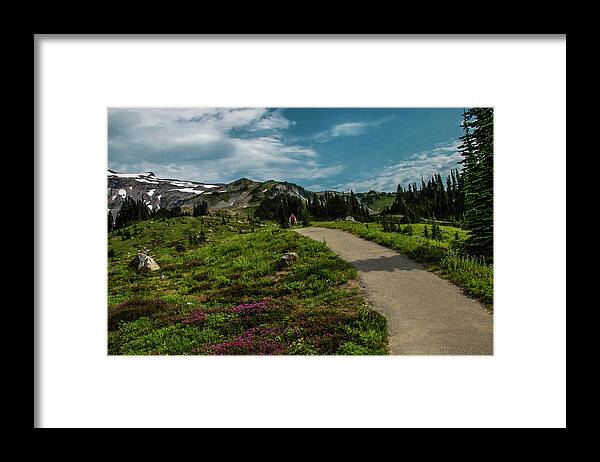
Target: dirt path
point(426, 315)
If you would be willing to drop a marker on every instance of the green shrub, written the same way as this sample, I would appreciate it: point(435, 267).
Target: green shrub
point(131, 310)
point(351, 348)
point(301, 347)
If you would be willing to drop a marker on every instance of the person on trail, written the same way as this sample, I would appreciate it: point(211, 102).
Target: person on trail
point(292, 220)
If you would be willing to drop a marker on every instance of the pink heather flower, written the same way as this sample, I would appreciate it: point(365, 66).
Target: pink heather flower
point(249, 309)
point(194, 316)
point(248, 344)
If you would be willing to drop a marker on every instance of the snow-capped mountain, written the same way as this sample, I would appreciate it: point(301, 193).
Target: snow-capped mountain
point(160, 193)
point(155, 192)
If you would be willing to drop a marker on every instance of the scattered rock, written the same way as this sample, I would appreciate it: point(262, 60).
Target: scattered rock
point(286, 260)
point(144, 262)
point(349, 218)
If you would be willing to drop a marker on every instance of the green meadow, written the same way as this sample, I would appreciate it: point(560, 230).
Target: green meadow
point(223, 295)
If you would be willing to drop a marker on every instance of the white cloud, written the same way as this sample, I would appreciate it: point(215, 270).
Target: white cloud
point(273, 121)
point(198, 144)
point(348, 129)
point(440, 159)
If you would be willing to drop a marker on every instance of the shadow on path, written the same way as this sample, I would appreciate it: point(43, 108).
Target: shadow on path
point(389, 264)
point(426, 315)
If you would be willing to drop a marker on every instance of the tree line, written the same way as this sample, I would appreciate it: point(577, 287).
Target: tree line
point(431, 200)
point(327, 206)
point(333, 205)
point(133, 210)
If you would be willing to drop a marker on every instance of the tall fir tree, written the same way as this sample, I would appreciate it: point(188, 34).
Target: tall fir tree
point(477, 150)
point(200, 209)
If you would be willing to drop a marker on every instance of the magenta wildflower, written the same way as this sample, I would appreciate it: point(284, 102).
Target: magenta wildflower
point(249, 309)
point(249, 343)
point(194, 316)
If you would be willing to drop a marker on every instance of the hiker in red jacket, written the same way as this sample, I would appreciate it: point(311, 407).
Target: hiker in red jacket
point(292, 220)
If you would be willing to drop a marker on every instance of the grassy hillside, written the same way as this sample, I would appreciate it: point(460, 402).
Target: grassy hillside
point(225, 296)
point(474, 276)
point(376, 200)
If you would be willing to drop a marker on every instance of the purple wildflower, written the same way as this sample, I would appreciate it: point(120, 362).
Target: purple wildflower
point(249, 309)
point(249, 343)
point(194, 316)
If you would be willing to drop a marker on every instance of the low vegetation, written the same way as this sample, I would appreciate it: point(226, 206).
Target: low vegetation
point(377, 201)
point(443, 254)
point(221, 294)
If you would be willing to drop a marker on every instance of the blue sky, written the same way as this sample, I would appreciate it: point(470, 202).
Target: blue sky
point(318, 148)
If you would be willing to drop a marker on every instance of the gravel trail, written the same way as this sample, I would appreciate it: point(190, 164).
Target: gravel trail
point(426, 314)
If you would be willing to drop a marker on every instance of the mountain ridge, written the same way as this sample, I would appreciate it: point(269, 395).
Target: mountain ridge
point(157, 193)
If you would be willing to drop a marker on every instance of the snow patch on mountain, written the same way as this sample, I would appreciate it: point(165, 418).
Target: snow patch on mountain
point(182, 184)
point(187, 190)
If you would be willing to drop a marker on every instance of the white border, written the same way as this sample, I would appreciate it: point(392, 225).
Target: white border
point(523, 384)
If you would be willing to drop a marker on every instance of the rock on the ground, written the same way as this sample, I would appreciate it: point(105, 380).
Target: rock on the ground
point(144, 262)
point(286, 260)
point(349, 218)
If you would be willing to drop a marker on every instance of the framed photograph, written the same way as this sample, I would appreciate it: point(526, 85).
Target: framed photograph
point(299, 231)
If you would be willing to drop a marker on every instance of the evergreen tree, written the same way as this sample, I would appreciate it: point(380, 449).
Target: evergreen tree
point(329, 206)
point(456, 243)
point(200, 209)
point(432, 198)
point(436, 231)
point(477, 151)
point(283, 220)
point(201, 238)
